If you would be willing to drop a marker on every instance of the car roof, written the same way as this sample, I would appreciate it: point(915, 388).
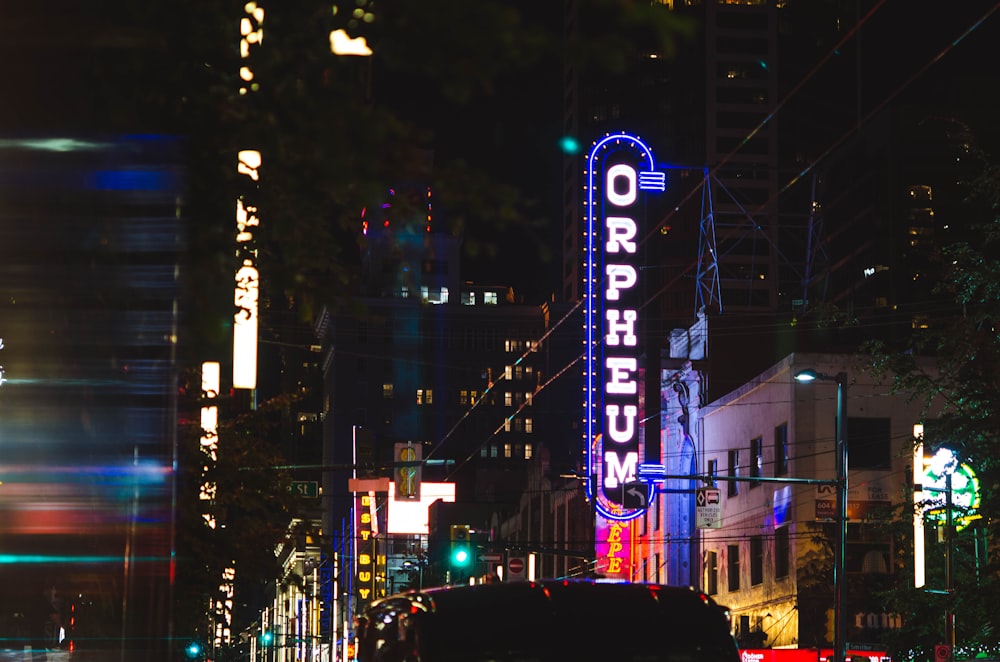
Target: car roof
point(581, 619)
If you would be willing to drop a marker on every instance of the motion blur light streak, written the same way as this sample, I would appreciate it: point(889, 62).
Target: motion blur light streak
point(37, 559)
point(91, 237)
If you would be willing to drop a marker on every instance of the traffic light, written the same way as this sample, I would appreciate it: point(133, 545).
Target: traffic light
point(461, 551)
point(266, 638)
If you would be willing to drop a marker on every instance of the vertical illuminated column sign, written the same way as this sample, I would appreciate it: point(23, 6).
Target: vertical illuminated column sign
point(246, 294)
point(620, 170)
point(919, 577)
point(222, 606)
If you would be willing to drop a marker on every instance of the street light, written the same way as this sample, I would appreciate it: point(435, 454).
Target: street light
point(839, 570)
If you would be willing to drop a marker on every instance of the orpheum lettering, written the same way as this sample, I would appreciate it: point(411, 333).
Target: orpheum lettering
point(620, 167)
point(620, 363)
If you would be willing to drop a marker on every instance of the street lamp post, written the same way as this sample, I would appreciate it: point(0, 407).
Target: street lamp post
point(840, 553)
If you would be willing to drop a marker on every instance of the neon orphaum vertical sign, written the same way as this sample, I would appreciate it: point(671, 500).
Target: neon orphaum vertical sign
point(620, 170)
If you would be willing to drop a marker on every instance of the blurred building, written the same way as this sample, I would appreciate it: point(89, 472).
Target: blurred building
point(92, 232)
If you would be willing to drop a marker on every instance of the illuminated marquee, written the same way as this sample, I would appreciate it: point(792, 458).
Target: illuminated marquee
point(620, 169)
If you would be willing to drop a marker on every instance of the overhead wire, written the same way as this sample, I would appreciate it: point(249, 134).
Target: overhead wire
point(783, 189)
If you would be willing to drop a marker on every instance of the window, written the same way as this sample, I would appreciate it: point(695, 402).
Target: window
point(781, 552)
point(463, 397)
point(781, 450)
point(733, 567)
point(508, 372)
point(528, 426)
point(507, 450)
point(756, 460)
point(733, 471)
point(518, 372)
point(868, 439)
point(508, 399)
point(473, 396)
point(712, 573)
point(506, 425)
point(435, 267)
point(527, 451)
point(425, 396)
point(756, 560)
point(527, 397)
point(483, 450)
point(493, 450)
point(468, 298)
point(490, 298)
point(387, 391)
point(420, 396)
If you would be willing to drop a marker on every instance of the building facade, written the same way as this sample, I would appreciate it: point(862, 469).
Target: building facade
point(769, 450)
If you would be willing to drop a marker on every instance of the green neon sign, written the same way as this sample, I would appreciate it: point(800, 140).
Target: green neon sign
point(965, 494)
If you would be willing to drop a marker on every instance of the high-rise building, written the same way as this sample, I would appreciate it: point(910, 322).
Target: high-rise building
point(458, 369)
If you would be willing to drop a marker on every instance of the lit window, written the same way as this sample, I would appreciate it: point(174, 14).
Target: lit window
point(404, 292)
point(425, 293)
point(528, 426)
point(528, 397)
point(506, 425)
point(483, 451)
point(527, 451)
point(490, 298)
point(463, 397)
point(420, 396)
point(468, 298)
point(444, 295)
point(429, 396)
point(507, 451)
point(733, 471)
point(493, 451)
point(508, 399)
point(387, 391)
point(508, 371)
point(473, 396)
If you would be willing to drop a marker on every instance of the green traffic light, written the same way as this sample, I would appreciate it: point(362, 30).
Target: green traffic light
point(460, 557)
point(569, 145)
point(193, 649)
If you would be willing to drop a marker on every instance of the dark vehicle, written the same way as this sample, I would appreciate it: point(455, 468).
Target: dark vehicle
point(546, 621)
